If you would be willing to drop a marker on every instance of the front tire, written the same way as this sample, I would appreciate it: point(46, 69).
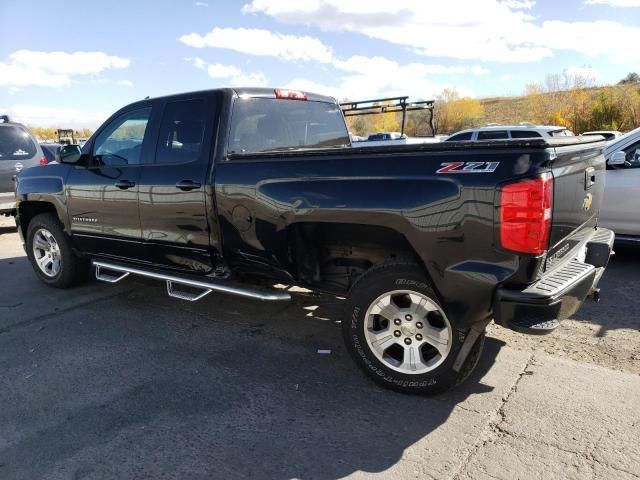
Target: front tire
point(49, 251)
point(397, 332)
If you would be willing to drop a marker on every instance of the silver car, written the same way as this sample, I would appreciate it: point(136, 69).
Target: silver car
point(18, 150)
point(620, 210)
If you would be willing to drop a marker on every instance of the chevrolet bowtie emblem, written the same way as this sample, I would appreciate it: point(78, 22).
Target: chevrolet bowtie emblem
point(586, 203)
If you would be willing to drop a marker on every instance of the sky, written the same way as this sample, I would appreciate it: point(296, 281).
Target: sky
point(73, 63)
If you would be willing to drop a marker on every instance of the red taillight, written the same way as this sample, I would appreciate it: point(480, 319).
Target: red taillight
point(43, 160)
point(525, 215)
point(290, 94)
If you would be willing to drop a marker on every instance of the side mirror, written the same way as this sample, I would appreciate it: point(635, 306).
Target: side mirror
point(618, 159)
point(68, 154)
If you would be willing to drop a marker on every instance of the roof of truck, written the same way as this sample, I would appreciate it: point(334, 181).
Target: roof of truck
point(253, 92)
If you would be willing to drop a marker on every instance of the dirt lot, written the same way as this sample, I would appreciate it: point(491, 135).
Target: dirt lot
point(119, 381)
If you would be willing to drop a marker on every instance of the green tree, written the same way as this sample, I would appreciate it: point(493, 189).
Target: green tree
point(631, 77)
point(607, 109)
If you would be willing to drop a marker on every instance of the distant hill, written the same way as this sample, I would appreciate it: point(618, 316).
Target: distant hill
point(613, 107)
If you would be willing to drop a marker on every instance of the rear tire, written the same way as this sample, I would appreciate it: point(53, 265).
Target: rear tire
point(398, 333)
point(50, 253)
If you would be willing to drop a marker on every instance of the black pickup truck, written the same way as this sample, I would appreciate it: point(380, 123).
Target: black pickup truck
point(237, 190)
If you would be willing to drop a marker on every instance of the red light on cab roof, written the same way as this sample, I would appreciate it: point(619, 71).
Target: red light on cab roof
point(290, 94)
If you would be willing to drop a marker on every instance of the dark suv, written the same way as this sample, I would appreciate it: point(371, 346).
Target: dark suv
point(18, 150)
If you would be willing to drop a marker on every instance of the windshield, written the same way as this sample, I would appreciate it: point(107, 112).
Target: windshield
point(16, 144)
point(269, 124)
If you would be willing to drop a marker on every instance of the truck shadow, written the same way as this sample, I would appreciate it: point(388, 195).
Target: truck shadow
point(180, 396)
point(8, 229)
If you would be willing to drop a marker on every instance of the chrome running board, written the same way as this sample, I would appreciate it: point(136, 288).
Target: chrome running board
point(172, 281)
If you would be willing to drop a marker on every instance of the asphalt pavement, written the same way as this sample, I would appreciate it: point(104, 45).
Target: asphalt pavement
point(121, 382)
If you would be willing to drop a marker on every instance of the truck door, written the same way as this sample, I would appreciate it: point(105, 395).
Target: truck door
point(174, 192)
point(103, 196)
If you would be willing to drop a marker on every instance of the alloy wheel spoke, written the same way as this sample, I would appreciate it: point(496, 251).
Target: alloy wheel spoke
point(384, 342)
point(385, 308)
point(412, 359)
point(55, 265)
point(40, 242)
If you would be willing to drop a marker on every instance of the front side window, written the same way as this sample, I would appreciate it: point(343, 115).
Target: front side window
point(120, 144)
point(267, 124)
point(16, 144)
point(633, 156)
point(493, 135)
point(181, 132)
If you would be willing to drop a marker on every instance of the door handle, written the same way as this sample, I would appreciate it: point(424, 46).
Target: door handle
point(187, 185)
point(589, 178)
point(124, 184)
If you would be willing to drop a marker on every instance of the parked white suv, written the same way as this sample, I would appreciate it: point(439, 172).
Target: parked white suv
point(620, 209)
point(505, 132)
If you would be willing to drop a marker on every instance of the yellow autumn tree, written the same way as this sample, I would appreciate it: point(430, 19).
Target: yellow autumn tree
point(453, 113)
point(385, 122)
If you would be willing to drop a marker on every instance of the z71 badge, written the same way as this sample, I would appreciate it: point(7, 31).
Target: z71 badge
point(468, 167)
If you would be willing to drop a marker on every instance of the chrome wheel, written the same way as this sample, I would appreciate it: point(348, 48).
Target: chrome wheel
point(408, 332)
point(46, 252)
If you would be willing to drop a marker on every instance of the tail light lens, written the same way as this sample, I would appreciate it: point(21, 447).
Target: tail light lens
point(290, 94)
point(43, 160)
point(525, 215)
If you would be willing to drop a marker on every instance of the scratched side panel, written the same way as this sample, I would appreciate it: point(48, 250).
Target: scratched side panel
point(447, 218)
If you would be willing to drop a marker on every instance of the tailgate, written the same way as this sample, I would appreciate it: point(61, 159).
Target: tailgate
point(578, 190)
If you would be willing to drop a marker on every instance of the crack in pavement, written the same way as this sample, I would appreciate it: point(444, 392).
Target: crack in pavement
point(491, 431)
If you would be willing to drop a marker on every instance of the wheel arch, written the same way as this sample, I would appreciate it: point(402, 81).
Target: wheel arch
point(27, 210)
point(323, 251)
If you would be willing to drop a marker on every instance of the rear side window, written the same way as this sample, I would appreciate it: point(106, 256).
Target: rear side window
point(524, 134)
point(181, 132)
point(493, 135)
point(460, 137)
point(16, 144)
point(266, 124)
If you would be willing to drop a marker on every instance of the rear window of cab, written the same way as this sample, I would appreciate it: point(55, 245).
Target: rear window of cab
point(267, 124)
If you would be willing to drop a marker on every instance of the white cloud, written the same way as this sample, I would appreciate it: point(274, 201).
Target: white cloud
point(37, 116)
point(222, 71)
point(54, 69)
point(584, 73)
point(307, 85)
point(363, 76)
point(255, 41)
point(506, 77)
point(486, 30)
point(202, 4)
point(380, 65)
point(231, 74)
point(614, 3)
point(125, 83)
point(520, 4)
point(197, 62)
point(366, 77)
